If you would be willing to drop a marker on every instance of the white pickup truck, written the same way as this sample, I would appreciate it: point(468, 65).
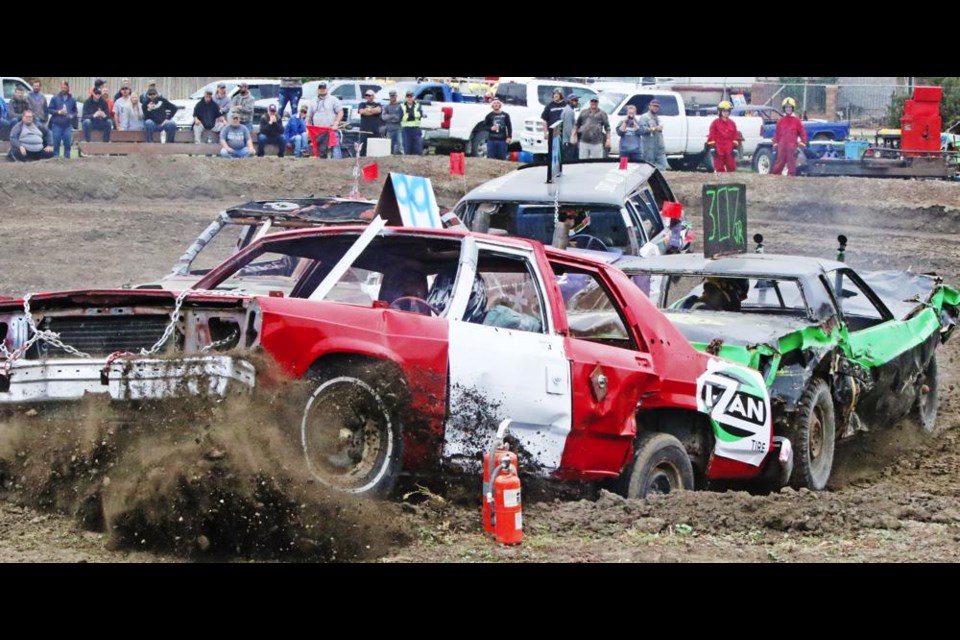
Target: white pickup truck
point(459, 125)
point(684, 136)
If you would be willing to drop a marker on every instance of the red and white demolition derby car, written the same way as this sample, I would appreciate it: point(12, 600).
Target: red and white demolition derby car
point(416, 344)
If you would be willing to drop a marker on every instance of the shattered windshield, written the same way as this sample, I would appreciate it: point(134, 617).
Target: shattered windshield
point(390, 267)
point(684, 292)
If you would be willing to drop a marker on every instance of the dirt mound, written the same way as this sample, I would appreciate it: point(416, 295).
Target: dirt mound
point(134, 178)
point(191, 477)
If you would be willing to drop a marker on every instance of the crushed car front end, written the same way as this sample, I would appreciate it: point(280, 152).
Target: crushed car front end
point(126, 345)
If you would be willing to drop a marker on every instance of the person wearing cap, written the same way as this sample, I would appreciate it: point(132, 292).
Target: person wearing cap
point(295, 132)
point(371, 119)
point(151, 84)
point(96, 115)
point(222, 98)
point(392, 114)
point(569, 118)
point(63, 109)
point(499, 131)
point(411, 115)
point(206, 117)
point(291, 89)
point(242, 104)
point(124, 83)
point(327, 112)
point(271, 132)
point(631, 142)
point(651, 129)
point(553, 112)
point(128, 111)
point(235, 139)
point(158, 114)
point(723, 138)
point(592, 131)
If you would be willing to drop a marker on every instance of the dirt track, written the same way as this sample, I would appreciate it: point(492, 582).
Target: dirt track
point(110, 221)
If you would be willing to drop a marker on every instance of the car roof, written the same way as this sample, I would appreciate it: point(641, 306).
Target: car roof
point(754, 264)
point(506, 241)
point(586, 182)
point(308, 210)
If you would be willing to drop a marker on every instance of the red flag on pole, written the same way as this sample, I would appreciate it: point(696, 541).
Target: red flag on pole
point(624, 161)
point(371, 172)
point(456, 164)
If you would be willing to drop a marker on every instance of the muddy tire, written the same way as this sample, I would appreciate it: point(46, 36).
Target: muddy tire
point(813, 435)
point(925, 410)
point(350, 429)
point(660, 465)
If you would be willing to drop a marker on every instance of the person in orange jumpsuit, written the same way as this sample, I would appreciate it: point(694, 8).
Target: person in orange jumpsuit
point(723, 139)
point(789, 129)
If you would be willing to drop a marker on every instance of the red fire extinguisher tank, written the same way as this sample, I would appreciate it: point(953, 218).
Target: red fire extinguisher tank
point(508, 525)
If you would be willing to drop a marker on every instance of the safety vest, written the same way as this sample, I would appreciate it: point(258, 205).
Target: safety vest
point(409, 119)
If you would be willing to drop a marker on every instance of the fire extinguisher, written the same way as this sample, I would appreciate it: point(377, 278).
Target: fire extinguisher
point(507, 515)
point(498, 455)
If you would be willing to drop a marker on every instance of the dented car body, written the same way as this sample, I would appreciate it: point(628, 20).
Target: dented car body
point(237, 227)
point(415, 345)
point(839, 351)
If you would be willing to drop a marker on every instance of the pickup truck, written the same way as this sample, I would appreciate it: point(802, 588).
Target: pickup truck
point(683, 135)
point(816, 129)
point(412, 346)
point(458, 125)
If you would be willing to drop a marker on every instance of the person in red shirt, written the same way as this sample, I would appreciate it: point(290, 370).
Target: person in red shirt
point(789, 129)
point(723, 139)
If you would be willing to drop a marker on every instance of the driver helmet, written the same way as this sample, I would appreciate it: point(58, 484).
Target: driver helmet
point(724, 106)
point(733, 289)
point(788, 102)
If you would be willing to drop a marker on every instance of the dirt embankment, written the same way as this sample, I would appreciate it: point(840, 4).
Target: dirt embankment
point(103, 222)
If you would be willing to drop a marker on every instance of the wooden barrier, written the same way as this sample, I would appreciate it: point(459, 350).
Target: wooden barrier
point(141, 148)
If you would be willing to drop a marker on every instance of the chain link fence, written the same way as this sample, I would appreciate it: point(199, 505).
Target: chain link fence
point(866, 106)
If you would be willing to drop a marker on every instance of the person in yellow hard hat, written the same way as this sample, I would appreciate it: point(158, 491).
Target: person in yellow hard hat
point(723, 139)
point(789, 131)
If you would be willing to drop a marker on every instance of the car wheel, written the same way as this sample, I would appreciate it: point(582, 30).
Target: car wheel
point(478, 144)
point(813, 436)
point(763, 161)
point(925, 409)
point(351, 431)
point(660, 465)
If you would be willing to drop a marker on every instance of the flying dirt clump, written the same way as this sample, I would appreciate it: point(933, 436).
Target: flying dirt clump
point(193, 476)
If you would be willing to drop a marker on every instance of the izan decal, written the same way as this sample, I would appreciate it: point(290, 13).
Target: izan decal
point(738, 404)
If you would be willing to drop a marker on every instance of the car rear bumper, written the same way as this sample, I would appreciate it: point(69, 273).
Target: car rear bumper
point(126, 379)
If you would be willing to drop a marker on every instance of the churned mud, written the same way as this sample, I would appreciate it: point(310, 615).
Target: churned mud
point(227, 480)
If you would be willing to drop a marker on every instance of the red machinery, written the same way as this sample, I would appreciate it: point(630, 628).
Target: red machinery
point(920, 124)
point(919, 154)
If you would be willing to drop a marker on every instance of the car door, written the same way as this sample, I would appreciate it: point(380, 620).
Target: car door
point(506, 362)
point(610, 372)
